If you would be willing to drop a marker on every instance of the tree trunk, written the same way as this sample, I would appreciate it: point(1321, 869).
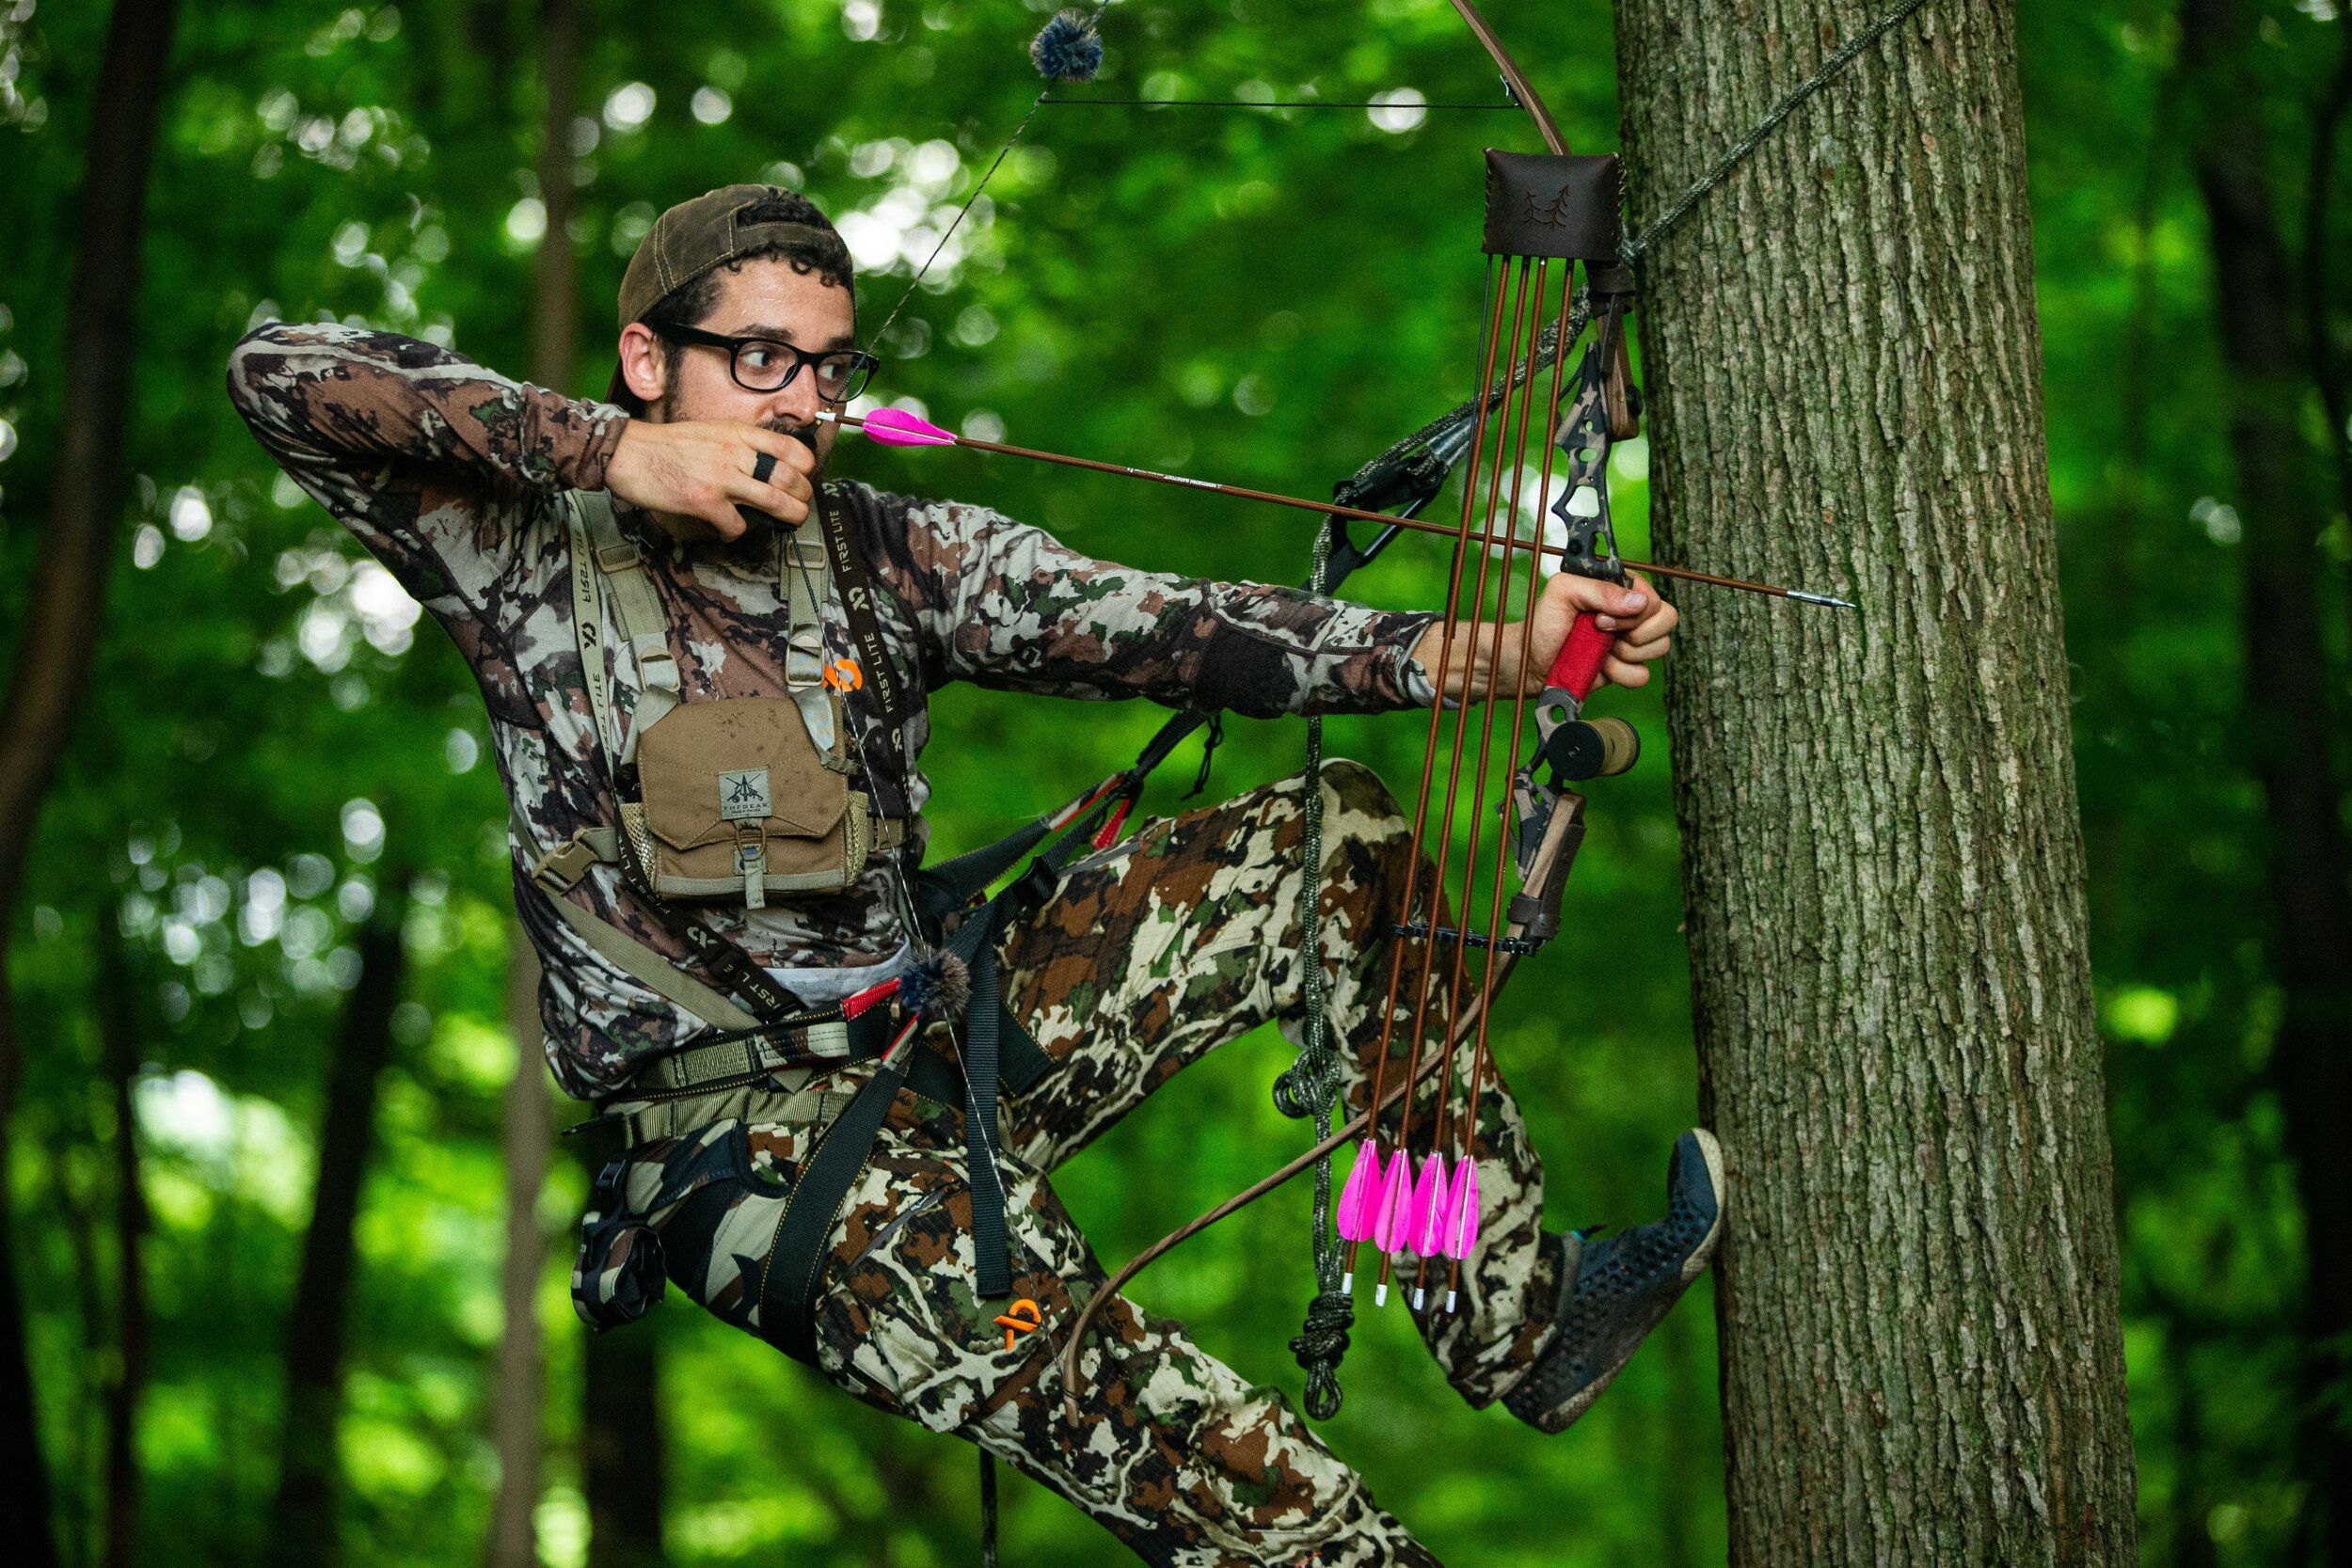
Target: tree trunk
point(622, 1455)
point(519, 1396)
point(1882, 868)
point(519, 1393)
point(2283, 509)
point(304, 1525)
point(119, 1029)
point(555, 305)
point(52, 658)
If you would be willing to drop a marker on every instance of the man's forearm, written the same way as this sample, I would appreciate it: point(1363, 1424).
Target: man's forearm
point(1457, 658)
point(323, 394)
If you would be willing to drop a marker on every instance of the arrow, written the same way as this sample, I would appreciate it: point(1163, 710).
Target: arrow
point(895, 427)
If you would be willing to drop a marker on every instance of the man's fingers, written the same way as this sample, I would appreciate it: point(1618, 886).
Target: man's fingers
point(774, 499)
point(1614, 604)
point(791, 453)
point(1620, 672)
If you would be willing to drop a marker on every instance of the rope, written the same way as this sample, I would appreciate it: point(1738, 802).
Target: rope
point(998, 161)
point(1311, 1083)
point(1738, 153)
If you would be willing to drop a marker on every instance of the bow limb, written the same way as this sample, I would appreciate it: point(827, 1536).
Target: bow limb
point(1529, 97)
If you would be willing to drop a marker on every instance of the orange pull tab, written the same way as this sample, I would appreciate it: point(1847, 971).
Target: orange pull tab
point(1022, 1317)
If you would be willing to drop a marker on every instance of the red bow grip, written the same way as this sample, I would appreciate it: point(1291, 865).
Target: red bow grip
point(1577, 670)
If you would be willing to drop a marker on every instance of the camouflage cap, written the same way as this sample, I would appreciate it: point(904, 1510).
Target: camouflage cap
point(693, 237)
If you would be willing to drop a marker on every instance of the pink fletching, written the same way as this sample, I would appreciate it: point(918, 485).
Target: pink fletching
point(895, 427)
point(1461, 1211)
point(1389, 1229)
point(1429, 1195)
point(1359, 1198)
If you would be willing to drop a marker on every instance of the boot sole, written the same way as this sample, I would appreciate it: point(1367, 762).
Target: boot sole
point(1692, 1267)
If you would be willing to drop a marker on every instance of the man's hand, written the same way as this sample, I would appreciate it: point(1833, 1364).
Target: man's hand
point(692, 475)
point(1644, 624)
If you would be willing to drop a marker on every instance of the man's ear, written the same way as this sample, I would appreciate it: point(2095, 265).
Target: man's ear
point(644, 368)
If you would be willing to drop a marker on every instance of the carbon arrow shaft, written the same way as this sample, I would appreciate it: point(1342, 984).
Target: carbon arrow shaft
point(1328, 509)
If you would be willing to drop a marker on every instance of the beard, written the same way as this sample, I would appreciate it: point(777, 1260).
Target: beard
point(808, 433)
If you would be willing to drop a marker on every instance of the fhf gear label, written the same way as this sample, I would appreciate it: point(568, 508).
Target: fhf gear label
point(743, 795)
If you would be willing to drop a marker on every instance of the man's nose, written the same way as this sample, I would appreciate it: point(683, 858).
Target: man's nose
point(797, 400)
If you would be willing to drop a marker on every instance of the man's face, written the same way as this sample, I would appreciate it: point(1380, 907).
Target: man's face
point(766, 298)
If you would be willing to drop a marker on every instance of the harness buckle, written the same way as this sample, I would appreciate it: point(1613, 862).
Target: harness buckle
point(561, 868)
point(621, 557)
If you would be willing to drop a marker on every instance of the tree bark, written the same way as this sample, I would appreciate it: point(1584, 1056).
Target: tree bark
point(52, 657)
point(2283, 509)
point(304, 1525)
point(1883, 867)
point(519, 1394)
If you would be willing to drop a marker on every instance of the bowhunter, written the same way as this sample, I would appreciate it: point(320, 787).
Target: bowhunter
point(708, 730)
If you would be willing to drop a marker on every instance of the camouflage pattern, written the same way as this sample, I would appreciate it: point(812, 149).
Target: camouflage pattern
point(1182, 938)
point(451, 475)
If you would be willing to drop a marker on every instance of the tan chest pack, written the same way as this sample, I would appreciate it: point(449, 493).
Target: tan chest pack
point(734, 798)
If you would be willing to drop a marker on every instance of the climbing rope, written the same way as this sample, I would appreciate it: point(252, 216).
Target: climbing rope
point(1721, 169)
point(1311, 1085)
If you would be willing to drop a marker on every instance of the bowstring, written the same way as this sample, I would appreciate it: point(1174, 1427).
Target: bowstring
point(961, 212)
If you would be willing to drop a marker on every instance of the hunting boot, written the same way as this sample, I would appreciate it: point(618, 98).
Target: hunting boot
point(1614, 1289)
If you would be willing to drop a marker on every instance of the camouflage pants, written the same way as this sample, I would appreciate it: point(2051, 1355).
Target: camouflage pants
point(1154, 953)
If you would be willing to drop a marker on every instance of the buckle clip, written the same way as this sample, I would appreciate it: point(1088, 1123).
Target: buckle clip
point(561, 868)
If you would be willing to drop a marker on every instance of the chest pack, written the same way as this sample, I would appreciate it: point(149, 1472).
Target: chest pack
point(727, 799)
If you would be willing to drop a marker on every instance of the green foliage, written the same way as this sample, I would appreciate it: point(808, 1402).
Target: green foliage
point(272, 740)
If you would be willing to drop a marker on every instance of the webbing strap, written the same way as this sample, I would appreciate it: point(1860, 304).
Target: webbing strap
point(769, 1001)
point(635, 605)
point(788, 1280)
point(588, 624)
point(806, 581)
point(651, 970)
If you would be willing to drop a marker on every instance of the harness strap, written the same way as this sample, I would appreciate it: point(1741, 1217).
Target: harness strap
point(635, 605)
point(649, 969)
point(788, 1280)
point(753, 1056)
point(807, 577)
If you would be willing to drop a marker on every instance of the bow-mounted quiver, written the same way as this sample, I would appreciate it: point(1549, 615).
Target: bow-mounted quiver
point(1565, 206)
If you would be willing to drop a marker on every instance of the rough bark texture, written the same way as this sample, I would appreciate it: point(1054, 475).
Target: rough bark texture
point(1884, 872)
point(2283, 503)
point(304, 1532)
point(51, 660)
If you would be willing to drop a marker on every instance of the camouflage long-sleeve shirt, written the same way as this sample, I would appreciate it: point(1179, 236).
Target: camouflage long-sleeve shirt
point(451, 475)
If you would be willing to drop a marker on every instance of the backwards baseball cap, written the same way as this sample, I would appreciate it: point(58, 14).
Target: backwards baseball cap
point(696, 236)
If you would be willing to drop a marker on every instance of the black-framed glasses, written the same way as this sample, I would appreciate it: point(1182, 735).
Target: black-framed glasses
point(768, 365)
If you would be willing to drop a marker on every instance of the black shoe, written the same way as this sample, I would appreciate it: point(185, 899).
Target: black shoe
point(1614, 1289)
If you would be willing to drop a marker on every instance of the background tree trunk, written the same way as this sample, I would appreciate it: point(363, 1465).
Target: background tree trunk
point(1884, 874)
point(623, 1459)
point(119, 1036)
point(51, 658)
point(2282, 507)
point(519, 1395)
point(304, 1532)
point(518, 1399)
